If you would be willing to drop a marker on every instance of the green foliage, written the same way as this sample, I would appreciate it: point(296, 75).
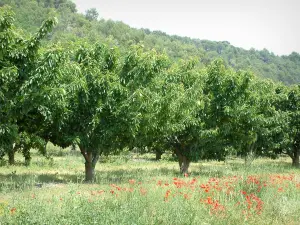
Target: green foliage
point(93, 104)
point(288, 103)
point(25, 87)
point(108, 97)
point(91, 14)
point(73, 26)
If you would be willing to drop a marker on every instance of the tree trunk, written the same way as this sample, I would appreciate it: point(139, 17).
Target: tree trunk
point(11, 157)
point(185, 165)
point(295, 158)
point(95, 159)
point(45, 146)
point(91, 160)
point(158, 154)
point(27, 159)
point(73, 147)
point(26, 154)
point(89, 169)
point(250, 154)
point(184, 162)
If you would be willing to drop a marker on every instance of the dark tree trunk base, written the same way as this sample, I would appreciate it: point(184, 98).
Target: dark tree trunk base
point(91, 160)
point(11, 157)
point(296, 162)
point(27, 161)
point(89, 172)
point(295, 158)
point(185, 165)
point(158, 155)
point(184, 162)
point(27, 156)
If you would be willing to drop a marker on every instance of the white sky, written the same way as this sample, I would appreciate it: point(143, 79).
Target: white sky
point(270, 24)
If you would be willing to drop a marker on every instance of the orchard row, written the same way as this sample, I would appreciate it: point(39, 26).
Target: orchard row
point(104, 101)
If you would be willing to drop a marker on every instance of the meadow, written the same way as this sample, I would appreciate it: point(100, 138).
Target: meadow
point(136, 189)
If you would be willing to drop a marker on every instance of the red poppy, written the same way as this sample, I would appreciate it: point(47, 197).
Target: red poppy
point(13, 210)
point(143, 191)
point(132, 181)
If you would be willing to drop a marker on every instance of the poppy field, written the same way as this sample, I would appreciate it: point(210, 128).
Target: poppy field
point(138, 190)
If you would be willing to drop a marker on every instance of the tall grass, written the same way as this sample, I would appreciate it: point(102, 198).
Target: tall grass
point(132, 189)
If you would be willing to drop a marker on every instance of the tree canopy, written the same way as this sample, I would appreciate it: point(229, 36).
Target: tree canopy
point(105, 97)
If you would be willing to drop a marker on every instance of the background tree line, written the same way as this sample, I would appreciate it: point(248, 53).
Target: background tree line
point(105, 99)
point(91, 28)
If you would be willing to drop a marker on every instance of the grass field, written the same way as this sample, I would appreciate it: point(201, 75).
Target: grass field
point(132, 189)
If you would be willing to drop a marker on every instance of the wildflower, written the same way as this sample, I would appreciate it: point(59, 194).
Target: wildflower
point(280, 189)
point(117, 187)
point(208, 200)
point(229, 190)
point(218, 206)
point(193, 181)
point(143, 191)
point(132, 181)
point(179, 183)
point(186, 196)
point(13, 210)
point(238, 203)
point(167, 195)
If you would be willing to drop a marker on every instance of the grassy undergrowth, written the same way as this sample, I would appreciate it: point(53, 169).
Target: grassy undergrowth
point(132, 189)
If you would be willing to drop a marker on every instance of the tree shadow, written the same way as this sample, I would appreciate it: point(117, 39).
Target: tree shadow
point(208, 173)
point(139, 174)
point(14, 181)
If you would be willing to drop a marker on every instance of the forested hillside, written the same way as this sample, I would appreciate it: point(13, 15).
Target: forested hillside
point(74, 27)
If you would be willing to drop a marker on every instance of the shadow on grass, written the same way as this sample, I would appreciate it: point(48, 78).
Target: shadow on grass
point(34, 179)
point(208, 173)
point(11, 182)
point(14, 181)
